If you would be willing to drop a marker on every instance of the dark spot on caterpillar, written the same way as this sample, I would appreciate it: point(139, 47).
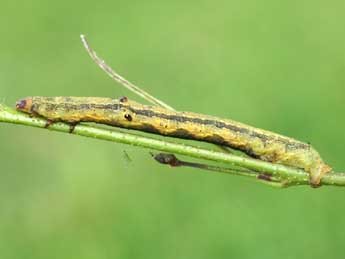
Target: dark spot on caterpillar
point(182, 133)
point(215, 139)
point(128, 117)
point(149, 128)
point(250, 152)
point(271, 157)
point(123, 99)
point(33, 108)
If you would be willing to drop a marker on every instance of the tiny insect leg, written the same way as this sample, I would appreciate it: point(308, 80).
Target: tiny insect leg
point(48, 123)
point(72, 126)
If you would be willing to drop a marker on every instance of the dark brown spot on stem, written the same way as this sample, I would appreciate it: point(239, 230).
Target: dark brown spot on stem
point(167, 159)
point(266, 177)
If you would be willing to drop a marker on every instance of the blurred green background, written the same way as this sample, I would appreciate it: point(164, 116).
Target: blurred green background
point(277, 65)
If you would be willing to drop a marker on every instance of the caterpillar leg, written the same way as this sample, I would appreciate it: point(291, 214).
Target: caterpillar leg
point(317, 172)
point(72, 126)
point(48, 123)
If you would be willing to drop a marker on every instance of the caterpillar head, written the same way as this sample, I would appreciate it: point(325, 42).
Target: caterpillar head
point(24, 105)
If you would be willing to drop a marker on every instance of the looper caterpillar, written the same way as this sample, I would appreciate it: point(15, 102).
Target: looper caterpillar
point(257, 143)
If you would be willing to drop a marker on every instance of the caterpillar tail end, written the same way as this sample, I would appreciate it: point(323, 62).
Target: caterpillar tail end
point(317, 173)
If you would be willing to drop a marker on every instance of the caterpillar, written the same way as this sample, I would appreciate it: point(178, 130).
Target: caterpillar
point(257, 143)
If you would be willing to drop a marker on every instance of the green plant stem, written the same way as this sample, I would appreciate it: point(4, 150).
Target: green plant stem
point(289, 175)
